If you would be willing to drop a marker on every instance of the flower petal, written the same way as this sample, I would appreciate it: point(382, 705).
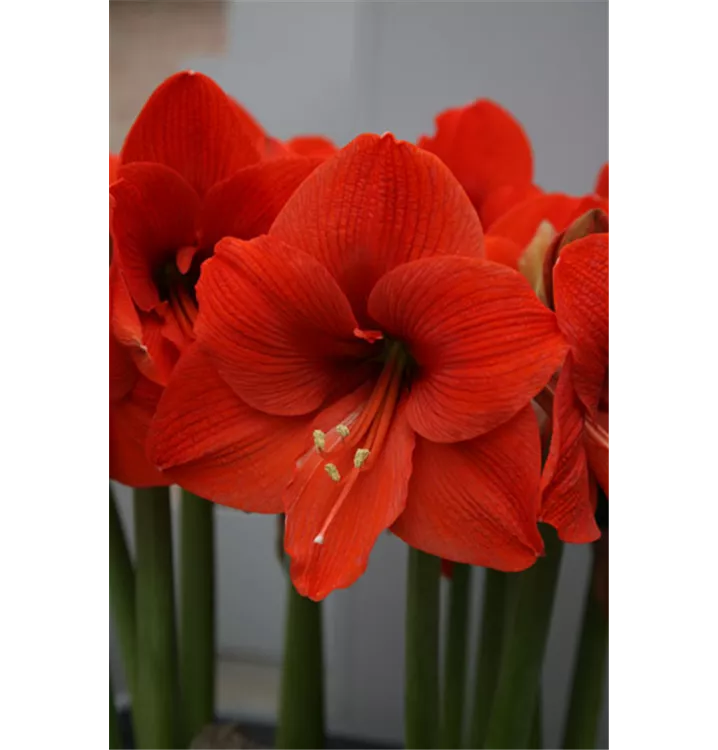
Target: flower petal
point(477, 501)
point(375, 205)
point(503, 199)
point(567, 503)
point(205, 438)
point(502, 250)
point(312, 145)
point(594, 221)
point(277, 326)
point(597, 449)
point(483, 343)
point(154, 215)
point(129, 421)
point(374, 502)
point(484, 146)
point(580, 290)
point(522, 221)
point(527, 220)
point(190, 125)
point(114, 166)
point(139, 333)
point(601, 187)
point(245, 205)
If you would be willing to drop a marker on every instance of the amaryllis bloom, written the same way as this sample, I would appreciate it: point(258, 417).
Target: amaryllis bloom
point(489, 153)
point(579, 442)
point(189, 174)
point(362, 367)
point(536, 221)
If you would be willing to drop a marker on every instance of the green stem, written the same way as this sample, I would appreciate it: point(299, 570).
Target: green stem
point(522, 654)
point(422, 652)
point(197, 613)
point(488, 655)
point(584, 710)
point(122, 594)
point(454, 698)
point(156, 680)
point(536, 737)
point(115, 738)
point(301, 707)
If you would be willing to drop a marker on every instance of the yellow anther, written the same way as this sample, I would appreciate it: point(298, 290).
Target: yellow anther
point(360, 457)
point(320, 440)
point(333, 472)
point(343, 430)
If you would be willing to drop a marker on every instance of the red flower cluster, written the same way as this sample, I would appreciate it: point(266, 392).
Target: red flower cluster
point(318, 332)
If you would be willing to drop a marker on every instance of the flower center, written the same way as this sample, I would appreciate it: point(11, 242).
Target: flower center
point(178, 290)
point(351, 447)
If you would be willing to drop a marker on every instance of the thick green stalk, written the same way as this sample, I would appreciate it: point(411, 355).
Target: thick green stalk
point(522, 654)
point(115, 738)
point(122, 594)
point(301, 707)
point(197, 613)
point(488, 655)
point(155, 696)
point(421, 712)
point(584, 711)
point(454, 698)
point(536, 736)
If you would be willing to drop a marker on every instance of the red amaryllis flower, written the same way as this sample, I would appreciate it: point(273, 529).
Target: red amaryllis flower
point(579, 442)
point(360, 368)
point(189, 174)
point(488, 152)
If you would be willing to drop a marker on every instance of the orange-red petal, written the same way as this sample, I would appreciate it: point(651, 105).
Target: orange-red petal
point(130, 418)
point(191, 125)
point(601, 187)
point(483, 343)
point(521, 222)
point(477, 501)
point(374, 502)
point(276, 324)
point(503, 199)
point(580, 291)
point(375, 205)
point(312, 145)
point(205, 438)
point(502, 250)
point(567, 502)
point(246, 204)
point(114, 166)
point(484, 146)
point(597, 448)
point(154, 215)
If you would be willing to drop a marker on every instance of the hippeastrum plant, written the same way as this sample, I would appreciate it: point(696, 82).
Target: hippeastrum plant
point(362, 367)
point(191, 170)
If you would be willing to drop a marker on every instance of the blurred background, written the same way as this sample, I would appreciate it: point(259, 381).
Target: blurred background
point(339, 69)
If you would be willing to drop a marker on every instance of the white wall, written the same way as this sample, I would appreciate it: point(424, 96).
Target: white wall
point(340, 69)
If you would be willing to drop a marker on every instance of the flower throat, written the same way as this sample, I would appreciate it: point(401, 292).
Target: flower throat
point(350, 448)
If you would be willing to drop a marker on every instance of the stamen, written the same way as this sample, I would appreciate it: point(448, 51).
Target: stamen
point(320, 440)
point(319, 539)
point(343, 430)
point(360, 456)
point(333, 472)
